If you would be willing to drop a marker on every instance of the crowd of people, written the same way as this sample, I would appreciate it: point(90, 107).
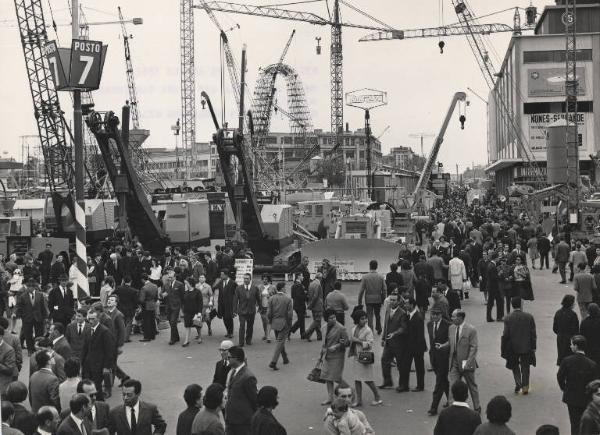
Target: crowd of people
point(74, 340)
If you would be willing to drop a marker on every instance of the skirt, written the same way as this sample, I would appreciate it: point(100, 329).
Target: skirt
point(332, 369)
point(188, 319)
point(362, 372)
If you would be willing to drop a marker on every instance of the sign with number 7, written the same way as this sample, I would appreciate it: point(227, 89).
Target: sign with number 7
point(78, 68)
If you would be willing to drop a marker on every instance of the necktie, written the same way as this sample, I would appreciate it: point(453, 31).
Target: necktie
point(83, 431)
point(32, 298)
point(457, 337)
point(437, 324)
point(133, 421)
point(80, 328)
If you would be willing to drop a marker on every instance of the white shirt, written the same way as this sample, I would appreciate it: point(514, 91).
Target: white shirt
point(136, 408)
point(412, 313)
point(93, 411)
point(94, 328)
point(393, 311)
point(56, 340)
point(42, 431)
point(463, 404)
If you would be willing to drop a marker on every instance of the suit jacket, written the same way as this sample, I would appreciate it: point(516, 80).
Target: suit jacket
point(24, 420)
point(185, 420)
point(149, 417)
point(58, 369)
point(212, 272)
point(574, 373)
point(246, 301)
point(396, 324)
point(315, 297)
point(69, 427)
point(43, 390)
point(128, 300)
point(373, 288)
point(416, 334)
point(492, 277)
point(241, 397)
point(263, 422)
point(29, 312)
point(439, 357)
point(115, 272)
point(466, 349)
point(280, 311)
point(118, 321)
point(61, 308)
point(56, 270)
point(457, 420)
point(13, 341)
point(102, 416)
point(148, 296)
point(174, 295)
point(519, 330)
point(221, 372)
point(563, 252)
point(7, 430)
point(98, 351)
point(453, 300)
point(226, 295)
point(8, 365)
point(63, 348)
point(75, 340)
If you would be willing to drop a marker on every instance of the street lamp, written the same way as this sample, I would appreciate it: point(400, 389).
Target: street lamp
point(487, 120)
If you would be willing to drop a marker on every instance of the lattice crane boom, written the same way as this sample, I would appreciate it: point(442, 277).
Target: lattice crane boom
point(436, 32)
point(188, 77)
point(133, 101)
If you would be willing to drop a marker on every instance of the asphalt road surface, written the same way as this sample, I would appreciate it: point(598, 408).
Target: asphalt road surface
point(165, 371)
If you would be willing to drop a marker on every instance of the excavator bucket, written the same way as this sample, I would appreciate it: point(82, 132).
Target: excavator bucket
point(351, 256)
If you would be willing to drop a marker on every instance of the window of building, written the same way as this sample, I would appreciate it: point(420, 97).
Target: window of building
point(554, 56)
point(287, 140)
point(271, 139)
point(318, 210)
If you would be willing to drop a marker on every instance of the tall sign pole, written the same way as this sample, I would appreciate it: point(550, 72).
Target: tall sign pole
point(82, 290)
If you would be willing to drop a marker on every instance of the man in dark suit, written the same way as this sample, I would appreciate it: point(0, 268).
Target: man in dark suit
point(44, 258)
point(519, 344)
point(97, 354)
point(212, 269)
point(245, 301)
point(128, 302)
point(457, 418)
point(148, 299)
point(395, 329)
point(98, 413)
point(118, 328)
point(47, 419)
point(226, 289)
point(43, 384)
point(135, 417)
point(439, 351)
point(574, 373)
point(493, 289)
point(241, 394)
point(222, 367)
point(32, 310)
point(61, 303)
point(452, 297)
point(76, 422)
point(114, 267)
point(60, 344)
point(416, 345)
point(563, 252)
point(173, 295)
point(280, 313)
point(76, 332)
point(57, 269)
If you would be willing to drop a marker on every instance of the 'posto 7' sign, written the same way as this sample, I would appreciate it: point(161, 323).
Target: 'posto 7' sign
point(77, 68)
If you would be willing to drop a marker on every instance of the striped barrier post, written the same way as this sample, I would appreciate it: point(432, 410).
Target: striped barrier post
point(82, 289)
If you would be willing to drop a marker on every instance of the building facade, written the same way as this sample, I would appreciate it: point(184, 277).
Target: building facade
point(404, 158)
point(531, 83)
point(170, 163)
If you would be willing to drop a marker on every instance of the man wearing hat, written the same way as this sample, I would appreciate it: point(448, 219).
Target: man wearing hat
point(32, 311)
point(61, 302)
point(222, 367)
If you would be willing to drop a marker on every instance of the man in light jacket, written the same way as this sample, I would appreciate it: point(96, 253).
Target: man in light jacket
point(372, 287)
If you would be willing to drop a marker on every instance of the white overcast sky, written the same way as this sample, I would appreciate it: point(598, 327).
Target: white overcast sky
point(418, 79)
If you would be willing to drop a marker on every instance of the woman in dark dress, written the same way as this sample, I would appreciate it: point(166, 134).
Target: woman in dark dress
point(192, 307)
point(566, 325)
point(263, 420)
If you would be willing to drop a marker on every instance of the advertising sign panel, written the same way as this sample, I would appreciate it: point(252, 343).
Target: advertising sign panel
point(550, 82)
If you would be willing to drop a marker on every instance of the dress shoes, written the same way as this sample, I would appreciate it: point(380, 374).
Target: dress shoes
point(418, 389)
point(384, 386)
point(525, 390)
point(145, 339)
point(172, 342)
point(273, 366)
point(431, 412)
point(286, 360)
point(401, 390)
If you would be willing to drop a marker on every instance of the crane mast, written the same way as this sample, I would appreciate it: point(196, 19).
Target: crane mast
point(337, 77)
point(188, 77)
point(133, 101)
point(571, 89)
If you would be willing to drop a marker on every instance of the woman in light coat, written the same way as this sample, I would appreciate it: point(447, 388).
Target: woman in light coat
point(362, 340)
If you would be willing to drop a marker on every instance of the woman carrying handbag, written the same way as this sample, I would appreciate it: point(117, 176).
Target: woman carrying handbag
point(361, 348)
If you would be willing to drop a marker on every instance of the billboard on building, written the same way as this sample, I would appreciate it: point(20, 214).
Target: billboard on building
point(550, 82)
point(535, 128)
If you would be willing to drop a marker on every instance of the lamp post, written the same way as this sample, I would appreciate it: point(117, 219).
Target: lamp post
point(367, 99)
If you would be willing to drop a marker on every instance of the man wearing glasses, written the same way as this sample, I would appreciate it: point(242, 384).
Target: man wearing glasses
point(98, 411)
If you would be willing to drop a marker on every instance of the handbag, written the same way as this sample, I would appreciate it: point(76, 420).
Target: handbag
point(315, 374)
point(366, 357)
point(197, 320)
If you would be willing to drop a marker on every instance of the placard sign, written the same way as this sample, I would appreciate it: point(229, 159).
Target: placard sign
point(242, 267)
point(77, 68)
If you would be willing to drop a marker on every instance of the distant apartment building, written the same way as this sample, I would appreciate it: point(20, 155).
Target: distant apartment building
point(404, 158)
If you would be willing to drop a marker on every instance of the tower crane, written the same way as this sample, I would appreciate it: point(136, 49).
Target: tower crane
point(133, 101)
point(421, 136)
point(48, 114)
